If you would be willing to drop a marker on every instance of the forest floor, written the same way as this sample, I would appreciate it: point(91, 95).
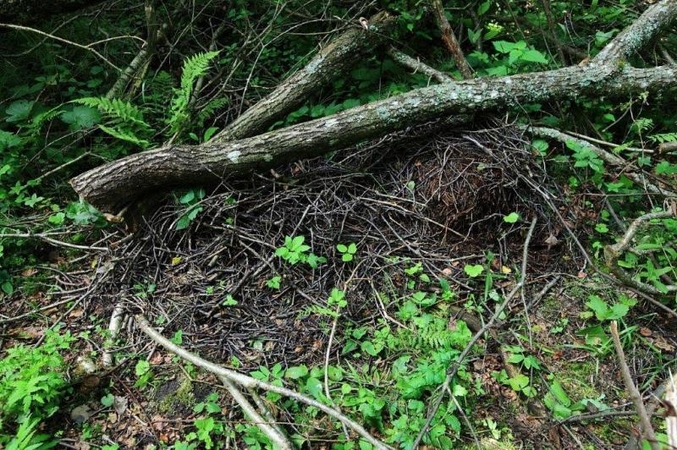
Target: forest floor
point(439, 221)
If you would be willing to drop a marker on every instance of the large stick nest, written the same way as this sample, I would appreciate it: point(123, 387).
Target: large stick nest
point(428, 195)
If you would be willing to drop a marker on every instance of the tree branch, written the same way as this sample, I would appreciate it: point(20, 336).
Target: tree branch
point(449, 39)
point(417, 66)
point(633, 392)
point(112, 186)
point(638, 177)
point(332, 61)
point(647, 27)
point(249, 382)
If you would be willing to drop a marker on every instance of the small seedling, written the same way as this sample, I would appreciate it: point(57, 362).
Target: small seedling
point(274, 283)
point(473, 271)
point(347, 251)
point(513, 217)
point(229, 301)
point(294, 251)
point(337, 298)
point(143, 373)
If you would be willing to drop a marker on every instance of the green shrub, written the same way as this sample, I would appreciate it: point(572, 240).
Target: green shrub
point(32, 387)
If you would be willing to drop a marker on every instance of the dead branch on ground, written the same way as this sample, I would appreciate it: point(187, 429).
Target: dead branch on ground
point(249, 382)
point(636, 397)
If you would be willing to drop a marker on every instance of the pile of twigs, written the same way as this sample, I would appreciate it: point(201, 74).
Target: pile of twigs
point(428, 196)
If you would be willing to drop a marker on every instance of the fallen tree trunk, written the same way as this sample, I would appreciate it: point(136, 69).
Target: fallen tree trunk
point(114, 185)
point(111, 186)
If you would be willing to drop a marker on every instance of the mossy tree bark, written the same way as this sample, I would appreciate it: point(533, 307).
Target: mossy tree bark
point(112, 186)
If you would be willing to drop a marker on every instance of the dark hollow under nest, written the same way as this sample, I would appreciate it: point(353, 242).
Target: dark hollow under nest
point(428, 195)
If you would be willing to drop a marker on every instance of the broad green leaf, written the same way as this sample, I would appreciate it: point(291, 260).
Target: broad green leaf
point(8, 140)
point(559, 394)
point(19, 111)
point(518, 382)
point(483, 8)
point(81, 117)
point(296, 372)
point(473, 271)
point(599, 307)
point(504, 46)
point(534, 56)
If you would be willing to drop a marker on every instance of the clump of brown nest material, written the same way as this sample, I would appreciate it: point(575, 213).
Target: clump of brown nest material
point(427, 196)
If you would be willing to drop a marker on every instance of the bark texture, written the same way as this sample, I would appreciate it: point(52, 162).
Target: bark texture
point(111, 186)
point(114, 185)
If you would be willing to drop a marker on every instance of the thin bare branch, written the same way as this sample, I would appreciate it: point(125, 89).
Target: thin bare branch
point(249, 382)
point(277, 438)
point(45, 237)
point(449, 39)
point(418, 66)
point(636, 397)
point(65, 41)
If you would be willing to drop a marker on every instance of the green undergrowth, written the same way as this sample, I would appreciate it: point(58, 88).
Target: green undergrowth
point(56, 121)
point(33, 387)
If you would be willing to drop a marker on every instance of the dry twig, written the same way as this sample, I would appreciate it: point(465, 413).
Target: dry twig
point(449, 39)
point(451, 373)
point(249, 382)
point(633, 392)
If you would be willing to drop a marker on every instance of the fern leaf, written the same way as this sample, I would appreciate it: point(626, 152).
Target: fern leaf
point(116, 109)
point(125, 135)
point(193, 68)
point(663, 137)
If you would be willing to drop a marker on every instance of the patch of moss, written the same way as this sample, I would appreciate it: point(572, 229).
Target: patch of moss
point(176, 397)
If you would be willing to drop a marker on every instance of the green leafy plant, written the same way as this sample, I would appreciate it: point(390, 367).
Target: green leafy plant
point(517, 382)
point(513, 217)
point(585, 157)
point(597, 340)
point(295, 250)
point(123, 120)
point(191, 200)
point(474, 270)
point(561, 405)
point(32, 389)
point(143, 372)
point(517, 355)
point(605, 312)
point(274, 282)
point(193, 68)
point(347, 251)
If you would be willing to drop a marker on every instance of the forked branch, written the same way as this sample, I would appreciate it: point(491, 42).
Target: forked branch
point(249, 382)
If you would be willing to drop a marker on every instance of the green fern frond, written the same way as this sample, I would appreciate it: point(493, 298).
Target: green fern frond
point(125, 135)
point(193, 68)
point(663, 137)
point(115, 109)
point(123, 120)
point(433, 333)
point(208, 110)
